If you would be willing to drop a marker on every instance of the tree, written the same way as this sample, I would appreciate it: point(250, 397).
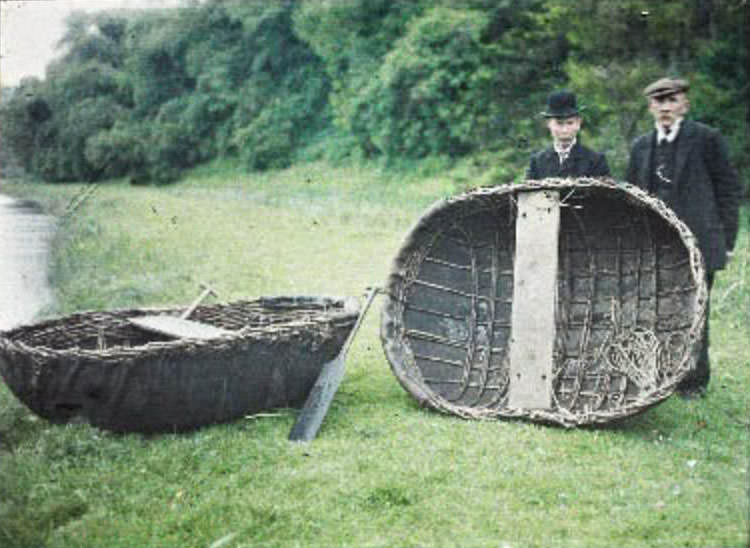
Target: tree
point(153, 95)
point(23, 116)
point(616, 48)
point(352, 38)
point(283, 98)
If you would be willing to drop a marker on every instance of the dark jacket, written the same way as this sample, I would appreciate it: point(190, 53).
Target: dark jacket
point(707, 192)
point(582, 162)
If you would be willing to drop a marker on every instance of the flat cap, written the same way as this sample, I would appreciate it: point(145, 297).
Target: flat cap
point(666, 86)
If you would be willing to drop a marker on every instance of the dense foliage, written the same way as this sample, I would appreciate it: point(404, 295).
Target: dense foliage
point(149, 94)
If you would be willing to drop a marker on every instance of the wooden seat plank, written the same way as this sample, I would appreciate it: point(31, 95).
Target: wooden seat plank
point(534, 299)
point(179, 328)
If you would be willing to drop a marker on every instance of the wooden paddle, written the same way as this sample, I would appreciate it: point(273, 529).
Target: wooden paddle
point(182, 327)
point(319, 400)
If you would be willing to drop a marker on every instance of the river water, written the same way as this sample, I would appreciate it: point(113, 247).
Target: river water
point(25, 237)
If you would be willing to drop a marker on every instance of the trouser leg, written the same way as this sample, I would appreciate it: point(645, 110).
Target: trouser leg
point(700, 376)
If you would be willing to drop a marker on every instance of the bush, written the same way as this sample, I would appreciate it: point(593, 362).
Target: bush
point(119, 151)
point(433, 90)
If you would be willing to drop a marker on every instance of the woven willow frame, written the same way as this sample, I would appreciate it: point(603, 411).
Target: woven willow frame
point(638, 362)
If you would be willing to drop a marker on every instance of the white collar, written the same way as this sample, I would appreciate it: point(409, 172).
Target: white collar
point(674, 131)
point(565, 152)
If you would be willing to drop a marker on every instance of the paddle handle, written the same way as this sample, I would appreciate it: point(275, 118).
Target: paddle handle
point(207, 290)
point(371, 294)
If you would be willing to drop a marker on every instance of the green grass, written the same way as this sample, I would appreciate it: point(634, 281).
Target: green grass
point(382, 472)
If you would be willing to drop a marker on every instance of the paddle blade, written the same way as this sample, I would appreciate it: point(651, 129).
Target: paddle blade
point(318, 401)
point(178, 328)
point(320, 397)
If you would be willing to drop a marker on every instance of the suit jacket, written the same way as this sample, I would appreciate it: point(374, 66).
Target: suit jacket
point(707, 193)
point(582, 162)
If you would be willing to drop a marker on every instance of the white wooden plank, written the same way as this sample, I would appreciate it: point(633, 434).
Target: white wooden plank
point(178, 328)
point(534, 300)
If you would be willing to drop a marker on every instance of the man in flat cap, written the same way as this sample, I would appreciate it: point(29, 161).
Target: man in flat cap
point(686, 164)
point(566, 157)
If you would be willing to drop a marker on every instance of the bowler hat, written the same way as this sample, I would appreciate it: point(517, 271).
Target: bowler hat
point(666, 86)
point(561, 104)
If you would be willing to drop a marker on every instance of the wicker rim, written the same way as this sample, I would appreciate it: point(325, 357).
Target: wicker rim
point(334, 310)
point(391, 315)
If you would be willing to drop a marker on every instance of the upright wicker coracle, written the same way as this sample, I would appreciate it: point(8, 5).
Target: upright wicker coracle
point(101, 367)
point(469, 328)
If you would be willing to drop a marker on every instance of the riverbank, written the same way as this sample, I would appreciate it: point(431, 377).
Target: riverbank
point(382, 472)
point(303, 230)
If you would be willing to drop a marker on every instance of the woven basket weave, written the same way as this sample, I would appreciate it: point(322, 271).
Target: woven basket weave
point(100, 367)
point(630, 303)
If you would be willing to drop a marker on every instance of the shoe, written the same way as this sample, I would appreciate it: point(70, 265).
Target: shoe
point(692, 392)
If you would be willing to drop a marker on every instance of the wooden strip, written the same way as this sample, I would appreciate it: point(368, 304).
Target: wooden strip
point(430, 380)
point(436, 359)
point(431, 312)
point(178, 327)
point(446, 289)
point(434, 338)
point(534, 299)
point(446, 263)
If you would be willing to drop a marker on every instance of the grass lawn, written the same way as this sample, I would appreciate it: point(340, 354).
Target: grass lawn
point(382, 472)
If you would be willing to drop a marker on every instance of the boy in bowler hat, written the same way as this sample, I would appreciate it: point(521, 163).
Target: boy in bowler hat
point(566, 157)
point(686, 164)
